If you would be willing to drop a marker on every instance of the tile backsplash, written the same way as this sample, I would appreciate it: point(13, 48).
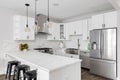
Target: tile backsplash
point(41, 41)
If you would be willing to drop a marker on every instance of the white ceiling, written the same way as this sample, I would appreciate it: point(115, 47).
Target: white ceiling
point(67, 8)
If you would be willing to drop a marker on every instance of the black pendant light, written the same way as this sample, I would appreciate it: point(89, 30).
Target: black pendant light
point(27, 29)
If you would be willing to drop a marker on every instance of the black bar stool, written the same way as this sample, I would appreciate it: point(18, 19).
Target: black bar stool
point(31, 75)
point(9, 68)
point(24, 68)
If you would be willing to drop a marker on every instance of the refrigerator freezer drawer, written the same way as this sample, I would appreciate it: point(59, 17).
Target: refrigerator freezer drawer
point(103, 68)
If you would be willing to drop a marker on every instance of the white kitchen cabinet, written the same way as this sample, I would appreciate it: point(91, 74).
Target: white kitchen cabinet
point(58, 32)
point(110, 19)
point(50, 37)
point(85, 29)
point(85, 60)
point(63, 35)
point(89, 25)
point(69, 28)
point(78, 27)
point(105, 20)
point(54, 31)
point(73, 28)
point(19, 28)
point(97, 22)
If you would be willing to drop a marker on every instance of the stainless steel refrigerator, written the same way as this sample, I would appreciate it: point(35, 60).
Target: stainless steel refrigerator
point(103, 52)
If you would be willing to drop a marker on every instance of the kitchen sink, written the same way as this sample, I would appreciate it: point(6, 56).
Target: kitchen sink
point(72, 51)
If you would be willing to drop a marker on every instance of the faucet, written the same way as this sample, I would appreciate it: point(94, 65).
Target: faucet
point(78, 46)
point(78, 43)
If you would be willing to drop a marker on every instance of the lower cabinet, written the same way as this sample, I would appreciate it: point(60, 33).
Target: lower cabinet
point(85, 56)
point(85, 62)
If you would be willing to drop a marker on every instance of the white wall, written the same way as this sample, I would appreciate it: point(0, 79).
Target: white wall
point(6, 26)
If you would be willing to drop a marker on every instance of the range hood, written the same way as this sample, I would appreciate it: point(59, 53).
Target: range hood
point(41, 20)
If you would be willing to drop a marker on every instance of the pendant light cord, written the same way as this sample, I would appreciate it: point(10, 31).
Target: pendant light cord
point(27, 13)
point(48, 11)
point(27, 16)
point(35, 12)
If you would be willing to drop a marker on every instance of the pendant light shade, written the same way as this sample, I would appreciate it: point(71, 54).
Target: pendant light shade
point(27, 29)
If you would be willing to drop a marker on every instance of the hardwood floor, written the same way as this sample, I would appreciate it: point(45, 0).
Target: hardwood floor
point(85, 76)
point(2, 77)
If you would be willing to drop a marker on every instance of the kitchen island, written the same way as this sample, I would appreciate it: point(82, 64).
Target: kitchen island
point(49, 67)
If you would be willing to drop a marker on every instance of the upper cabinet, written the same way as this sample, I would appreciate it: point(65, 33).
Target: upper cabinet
point(74, 28)
point(105, 20)
point(97, 21)
point(85, 29)
point(54, 32)
point(19, 28)
point(110, 19)
point(78, 28)
point(63, 35)
point(62, 31)
point(58, 32)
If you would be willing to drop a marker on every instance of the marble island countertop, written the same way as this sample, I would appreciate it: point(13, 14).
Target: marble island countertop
point(46, 61)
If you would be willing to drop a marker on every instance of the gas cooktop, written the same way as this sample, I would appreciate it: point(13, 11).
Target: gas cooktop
point(45, 50)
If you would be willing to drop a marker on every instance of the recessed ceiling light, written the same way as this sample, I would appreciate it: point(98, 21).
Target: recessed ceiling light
point(56, 4)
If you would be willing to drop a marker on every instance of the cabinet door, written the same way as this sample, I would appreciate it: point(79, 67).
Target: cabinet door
point(110, 19)
point(78, 27)
point(67, 31)
point(31, 34)
point(89, 26)
point(50, 37)
point(19, 28)
point(70, 28)
point(85, 62)
point(85, 29)
point(62, 31)
point(74, 28)
point(97, 22)
point(55, 32)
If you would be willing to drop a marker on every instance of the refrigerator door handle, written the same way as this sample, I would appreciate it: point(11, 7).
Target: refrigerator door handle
point(101, 44)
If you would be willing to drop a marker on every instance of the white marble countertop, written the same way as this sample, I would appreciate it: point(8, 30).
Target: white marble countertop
point(46, 61)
